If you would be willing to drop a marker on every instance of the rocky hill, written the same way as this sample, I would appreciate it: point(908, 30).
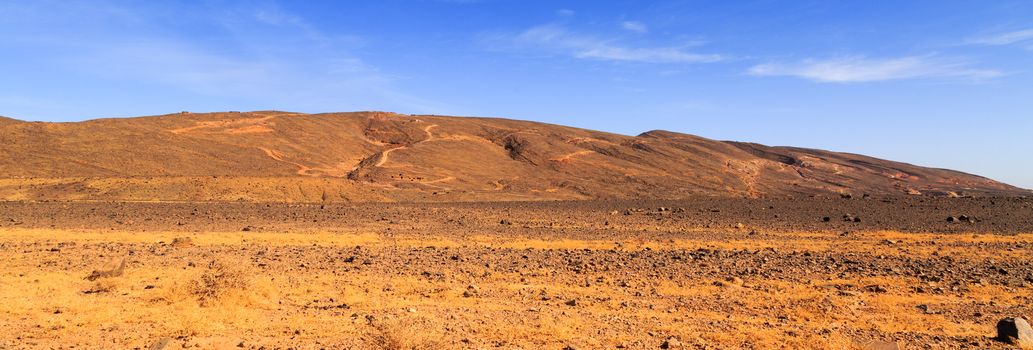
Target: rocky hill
point(377, 156)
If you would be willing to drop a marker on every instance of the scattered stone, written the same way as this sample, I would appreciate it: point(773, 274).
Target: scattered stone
point(160, 344)
point(505, 222)
point(182, 242)
point(116, 272)
point(471, 291)
point(671, 343)
point(571, 302)
point(928, 310)
point(247, 228)
point(848, 293)
point(730, 282)
point(1015, 330)
point(875, 288)
point(545, 296)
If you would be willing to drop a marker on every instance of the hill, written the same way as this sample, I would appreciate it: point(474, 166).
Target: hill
point(378, 156)
point(5, 120)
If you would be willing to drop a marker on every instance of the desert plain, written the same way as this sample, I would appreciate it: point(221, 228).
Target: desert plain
point(820, 272)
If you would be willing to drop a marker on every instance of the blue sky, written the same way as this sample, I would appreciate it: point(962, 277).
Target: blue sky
point(934, 83)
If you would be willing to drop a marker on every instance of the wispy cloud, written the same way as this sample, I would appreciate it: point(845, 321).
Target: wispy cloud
point(559, 40)
point(1007, 38)
point(862, 69)
point(261, 54)
point(637, 27)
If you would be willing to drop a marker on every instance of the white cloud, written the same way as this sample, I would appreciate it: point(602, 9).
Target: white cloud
point(861, 69)
point(565, 12)
point(637, 27)
point(1008, 38)
point(559, 40)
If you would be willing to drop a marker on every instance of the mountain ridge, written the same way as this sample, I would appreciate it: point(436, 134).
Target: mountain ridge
point(384, 156)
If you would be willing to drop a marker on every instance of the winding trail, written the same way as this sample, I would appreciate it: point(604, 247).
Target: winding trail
point(384, 154)
point(305, 170)
point(238, 126)
point(569, 157)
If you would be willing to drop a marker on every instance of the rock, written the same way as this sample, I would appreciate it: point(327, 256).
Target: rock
point(571, 302)
point(247, 228)
point(826, 219)
point(471, 291)
point(848, 293)
point(730, 282)
point(952, 219)
point(115, 272)
point(505, 222)
point(671, 343)
point(875, 288)
point(928, 310)
point(182, 242)
point(160, 344)
point(1015, 330)
point(879, 345)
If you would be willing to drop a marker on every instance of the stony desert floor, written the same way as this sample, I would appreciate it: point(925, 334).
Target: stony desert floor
point(822, 273)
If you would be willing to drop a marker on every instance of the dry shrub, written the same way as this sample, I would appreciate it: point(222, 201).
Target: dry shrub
point(217, 281)
point(399, 335)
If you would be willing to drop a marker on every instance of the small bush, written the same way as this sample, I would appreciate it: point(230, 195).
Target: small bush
point(216, 281)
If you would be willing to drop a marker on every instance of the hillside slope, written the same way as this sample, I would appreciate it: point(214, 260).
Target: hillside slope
point(376, 156)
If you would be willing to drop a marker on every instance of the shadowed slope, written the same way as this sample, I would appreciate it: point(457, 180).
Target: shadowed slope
point(377, 156)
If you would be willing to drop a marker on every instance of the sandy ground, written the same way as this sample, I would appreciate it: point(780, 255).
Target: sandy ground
point(596, 275)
